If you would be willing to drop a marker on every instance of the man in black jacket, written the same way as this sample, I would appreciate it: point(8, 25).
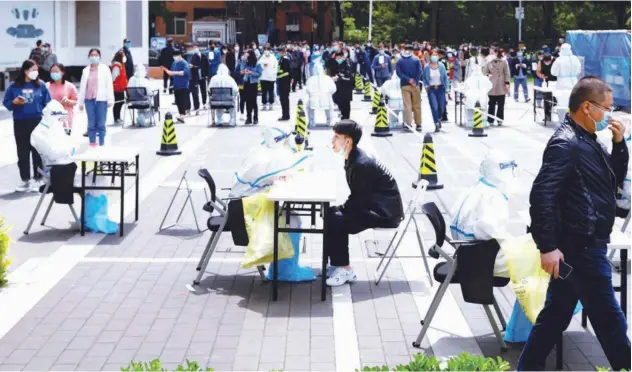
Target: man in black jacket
point(283, 83)
point(166, 60)
point(342, 74)
point(374, 201)
point(572, 214)
point(129, 63)
point(195, 62)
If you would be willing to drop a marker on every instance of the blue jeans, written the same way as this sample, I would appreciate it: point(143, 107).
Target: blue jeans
point(591, 282)
point(538, 83)
point(97, 112)
point(436, 97)
point(521, 82)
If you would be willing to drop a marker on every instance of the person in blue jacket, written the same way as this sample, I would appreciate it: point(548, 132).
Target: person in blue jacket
point(365, 64)
point(181, 73)
point(436, 82)
point(26, 97)
point(382, 66)
point(409, 71)
point(214, 58)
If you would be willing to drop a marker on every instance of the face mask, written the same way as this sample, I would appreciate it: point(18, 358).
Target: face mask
point(599, 125)
point(368, 44)
point(434, 59)
point(177, 58)
point(196, 51)
point(56, 76)
point(277, 55)
point(406, 54)
point(520, 55)
point(124, 60)
point(449, 55)
point(382, 51)
point(334, 49)
point(396, 56)
point(343, 151)
point(94, 59)
point(236, 49)
point(32, 75)
point(340, 61)
point(128, 45)
point(346, 55)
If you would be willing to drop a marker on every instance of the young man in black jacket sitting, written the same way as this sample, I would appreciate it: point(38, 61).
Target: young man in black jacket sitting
point(374, 201)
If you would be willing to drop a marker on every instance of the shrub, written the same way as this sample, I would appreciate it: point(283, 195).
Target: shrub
point(461, 362)
point(156, 365)
point(4, 252)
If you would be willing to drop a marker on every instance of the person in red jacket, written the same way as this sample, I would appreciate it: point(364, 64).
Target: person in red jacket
point(119, 77)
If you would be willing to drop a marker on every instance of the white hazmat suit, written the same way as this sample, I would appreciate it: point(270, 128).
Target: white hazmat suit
point(566, 68)
point(392, 89)
point(49, 137)
point(223, 80)
point(320, 89)
point(476, 88)
point(482, 212)
point(139, 80)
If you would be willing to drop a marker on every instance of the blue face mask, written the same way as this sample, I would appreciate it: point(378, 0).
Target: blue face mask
point(128, 45)
point(603, 123)
point(277, 55)
point(382, 52)
point(434, 59)
point(56, 76)
point(340, 61)
point(94, 60)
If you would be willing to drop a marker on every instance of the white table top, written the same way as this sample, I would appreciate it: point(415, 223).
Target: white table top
point(619, 240)
point(544, 89)
point(319, 187)
point(107, 153)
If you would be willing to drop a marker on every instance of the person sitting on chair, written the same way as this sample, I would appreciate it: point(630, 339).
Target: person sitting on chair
point(374, 201)
point(223, 80)
point(140, 80)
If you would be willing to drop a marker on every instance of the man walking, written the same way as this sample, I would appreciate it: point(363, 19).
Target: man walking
point(283, 83)
point(409, 71)
point(166, 60)
point(572, 211)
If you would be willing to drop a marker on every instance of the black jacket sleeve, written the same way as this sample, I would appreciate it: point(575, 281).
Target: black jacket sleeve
point(619, 160)
point(558, 162)
point(360, 181)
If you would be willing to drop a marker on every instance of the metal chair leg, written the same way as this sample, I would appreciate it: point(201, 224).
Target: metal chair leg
point(50, 205)
point(173, 199)
point(39, 204)
point(434, 305)
point(492, 321)
point(211, 248)
point(390, 258)
point(74, 214)
point(206, 249)
point(500, 314)
point(386, 252)
point(423, 249)
point(261, 269)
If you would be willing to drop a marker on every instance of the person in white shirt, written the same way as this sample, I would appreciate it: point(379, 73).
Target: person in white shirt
point(320, 88)
point(269, 65)
point(223, 80)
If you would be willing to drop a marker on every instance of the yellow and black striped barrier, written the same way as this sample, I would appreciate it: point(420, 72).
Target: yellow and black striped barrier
point(377, 98)
point(168, 144)
point(478, 128)
point(299, 108)
point(367, 90)
point(428, 167)
point(358, 84)
point(381, 129)
point(302, 133)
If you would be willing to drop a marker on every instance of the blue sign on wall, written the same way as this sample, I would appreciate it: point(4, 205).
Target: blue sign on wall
point(157, 43)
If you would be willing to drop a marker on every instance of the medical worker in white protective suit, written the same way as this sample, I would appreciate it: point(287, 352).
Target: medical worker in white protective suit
point(566, 68)
point(393, 90)
point(476, 88)
point(320, 88)
point(482, 212)
point(49, 137)
point(223, 80)
point(139, 80)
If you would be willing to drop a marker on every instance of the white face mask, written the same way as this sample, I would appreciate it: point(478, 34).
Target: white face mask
point(32, 75)
point(342, 153)
point(177, 58)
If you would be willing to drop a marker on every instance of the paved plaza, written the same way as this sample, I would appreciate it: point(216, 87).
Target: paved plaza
point(97, 302)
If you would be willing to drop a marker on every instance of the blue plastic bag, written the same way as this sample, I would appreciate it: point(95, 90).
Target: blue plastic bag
point(96, 215)
point(289, 269)
point(519, 326)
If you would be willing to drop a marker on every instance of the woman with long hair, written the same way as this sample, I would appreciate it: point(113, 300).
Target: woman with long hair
point(497, 70)
point(62, 91)
point(26, 97)
point(251, 73)
point(119, 77)
point(96, 94)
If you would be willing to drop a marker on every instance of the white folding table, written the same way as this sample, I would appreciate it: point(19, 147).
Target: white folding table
point(110, 161)
point(312, 189)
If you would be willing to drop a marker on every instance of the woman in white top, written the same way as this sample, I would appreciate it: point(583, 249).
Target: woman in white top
point(96, 94)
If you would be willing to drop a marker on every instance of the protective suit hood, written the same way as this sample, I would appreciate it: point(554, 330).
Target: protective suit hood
point(320, 88)
point(140, 71)
point(566, 50)
point(50, 139)
point(222, 70)
point(498, 170)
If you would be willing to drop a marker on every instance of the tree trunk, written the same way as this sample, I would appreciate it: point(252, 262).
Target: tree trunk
point(622, 15)
point(549, 10)
point(339, 20)
point(321, 21)
point(434, 15)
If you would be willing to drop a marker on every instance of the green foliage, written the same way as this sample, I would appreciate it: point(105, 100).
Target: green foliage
point(4, 252)
point(156, 365)
point(462, 362)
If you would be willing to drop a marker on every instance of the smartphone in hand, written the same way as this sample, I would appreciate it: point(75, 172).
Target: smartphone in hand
point(565, 270)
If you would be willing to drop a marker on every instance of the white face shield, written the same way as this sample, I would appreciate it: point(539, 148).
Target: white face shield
point(273, 137)
point(566, 50)
point(54, 115)
point(500, 172)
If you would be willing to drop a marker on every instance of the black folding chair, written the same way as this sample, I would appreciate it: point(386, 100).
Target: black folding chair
point(471, 266)
point(220, 99)
point(137, 98)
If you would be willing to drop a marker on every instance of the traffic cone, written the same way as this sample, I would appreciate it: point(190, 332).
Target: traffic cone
point(381, 128)
point(358, 84)
point(259, 89)
point(478, 130)
point(301, 129)
point(428, 167)
point(377, 98)
point(168, 144)
point(367, 91)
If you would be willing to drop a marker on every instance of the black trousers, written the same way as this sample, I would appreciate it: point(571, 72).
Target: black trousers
point(303, 74)
point(548, 105)
point(194, 89)
point(250, 91)
point(22, 130)
point(284, 96)
point(242, 100)
point(296, 76)
point(344, 106)
point(166, 78)
point(339, 226)
point(203, 90)
point(119, 100)
point(493, 102)
point(267, 92)
point(182, 100)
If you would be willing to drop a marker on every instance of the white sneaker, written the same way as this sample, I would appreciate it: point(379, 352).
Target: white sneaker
point(328, 271)
point(23, 186)
point(341, 276)
point(35, 185)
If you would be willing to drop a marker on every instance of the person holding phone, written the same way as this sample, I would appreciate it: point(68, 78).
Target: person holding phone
point(573, 204)
point(26, 97)
point(62, 91)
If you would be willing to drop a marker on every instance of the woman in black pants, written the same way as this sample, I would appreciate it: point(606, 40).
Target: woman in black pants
point(251, 74)
point(498, 72)
point(26, 98)
point(239, 79)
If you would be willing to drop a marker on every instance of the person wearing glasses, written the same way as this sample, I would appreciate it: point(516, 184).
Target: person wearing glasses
point(573, 204)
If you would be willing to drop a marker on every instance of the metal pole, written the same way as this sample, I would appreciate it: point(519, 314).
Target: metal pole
point(520, 23)
point(370, 17)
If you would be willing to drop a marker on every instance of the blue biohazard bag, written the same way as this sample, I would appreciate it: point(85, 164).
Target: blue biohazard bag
point(96, 215)
point(519, 326)
point(289, 268)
